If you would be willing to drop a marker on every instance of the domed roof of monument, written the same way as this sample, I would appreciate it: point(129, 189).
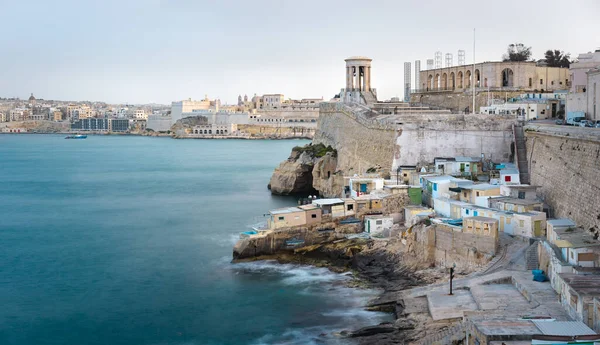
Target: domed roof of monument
point(358, 58)
point(31, 98)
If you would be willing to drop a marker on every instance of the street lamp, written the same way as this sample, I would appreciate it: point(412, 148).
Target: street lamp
point(452, 276)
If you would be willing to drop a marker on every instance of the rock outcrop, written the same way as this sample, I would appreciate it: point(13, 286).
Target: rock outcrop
point(187, 123)
point(295, 175)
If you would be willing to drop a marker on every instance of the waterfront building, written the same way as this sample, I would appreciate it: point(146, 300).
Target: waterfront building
point(19, 114)
point(4, 117)
point(214, 129)
point(313, 214)
point(330, 207)
point(118, 125)
point(286, 217)
point(91, 124)
point(364, 185)
point(379, 225)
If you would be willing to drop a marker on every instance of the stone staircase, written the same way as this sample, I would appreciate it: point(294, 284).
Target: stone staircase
point(369, 97)
point(531, 257)
point(521, 153)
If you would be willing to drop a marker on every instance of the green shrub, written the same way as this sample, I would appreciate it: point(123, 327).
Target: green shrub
point(317, 151)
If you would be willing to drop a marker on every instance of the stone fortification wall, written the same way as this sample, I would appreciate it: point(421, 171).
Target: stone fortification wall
point(424, 137)
point(458, 101)
point(443, 246)
point(361, 143)
point(289, 114)
point(565, 163)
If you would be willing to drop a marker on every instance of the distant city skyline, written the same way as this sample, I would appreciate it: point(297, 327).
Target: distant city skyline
point(154, 51)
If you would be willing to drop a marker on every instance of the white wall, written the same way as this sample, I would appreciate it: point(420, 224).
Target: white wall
point(378, 229)
point(593, 94)
point(441, 207)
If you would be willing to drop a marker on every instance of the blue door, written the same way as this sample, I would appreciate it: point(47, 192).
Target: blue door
point(363, 187)
point(475, 213)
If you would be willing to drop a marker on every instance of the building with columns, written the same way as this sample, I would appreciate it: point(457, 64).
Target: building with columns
point(358, 81)
point(500, 75)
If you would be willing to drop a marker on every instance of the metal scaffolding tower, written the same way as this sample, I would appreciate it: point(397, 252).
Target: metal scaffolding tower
point(438, 59)
point(461, 57)
point(448, 60)
point(417, 74)
point(429, 63)
point(407, 71)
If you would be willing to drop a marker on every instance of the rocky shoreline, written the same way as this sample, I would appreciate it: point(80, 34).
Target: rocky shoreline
point(375, 264)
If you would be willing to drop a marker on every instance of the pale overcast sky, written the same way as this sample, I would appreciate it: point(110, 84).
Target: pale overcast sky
point(142, 51)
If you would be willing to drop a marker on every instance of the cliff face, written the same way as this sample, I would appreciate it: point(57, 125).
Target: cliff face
point(293, 176)
point(306, 166)
point(327, 179)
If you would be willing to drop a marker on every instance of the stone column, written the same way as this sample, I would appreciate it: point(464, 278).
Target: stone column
point(348, 78)
point(368, 74)
point(364, 81)
point(357, 81)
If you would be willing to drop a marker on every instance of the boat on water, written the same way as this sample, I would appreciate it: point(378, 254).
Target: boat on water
point(78, 136)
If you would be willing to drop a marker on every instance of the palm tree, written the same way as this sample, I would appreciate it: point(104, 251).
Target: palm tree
point(557, 58)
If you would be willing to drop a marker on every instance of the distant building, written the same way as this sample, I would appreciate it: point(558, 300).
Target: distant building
point(118, 125)
point(91, 125)
point(189, 108)
point(138, 114)
point(214, 129)
point(593, 94)
point(577, 99)
point(57, 115)
point(506, 75)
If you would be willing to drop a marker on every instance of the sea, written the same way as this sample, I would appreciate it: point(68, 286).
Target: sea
point(127, 240)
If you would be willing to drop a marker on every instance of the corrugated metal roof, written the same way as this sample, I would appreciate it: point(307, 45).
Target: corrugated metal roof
point(570, 328)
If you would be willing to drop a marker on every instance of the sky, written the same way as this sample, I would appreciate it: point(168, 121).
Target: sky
point(159, 51)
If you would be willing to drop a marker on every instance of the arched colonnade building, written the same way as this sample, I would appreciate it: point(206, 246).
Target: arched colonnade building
point(494, 76)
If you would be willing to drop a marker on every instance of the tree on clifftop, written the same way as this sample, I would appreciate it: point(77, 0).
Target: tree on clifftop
point(517, 52)
point(557, 58)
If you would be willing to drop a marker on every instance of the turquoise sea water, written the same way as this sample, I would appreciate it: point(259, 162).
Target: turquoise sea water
point(127, 240)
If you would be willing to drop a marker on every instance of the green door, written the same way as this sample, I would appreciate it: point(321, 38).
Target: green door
point(537, 228)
